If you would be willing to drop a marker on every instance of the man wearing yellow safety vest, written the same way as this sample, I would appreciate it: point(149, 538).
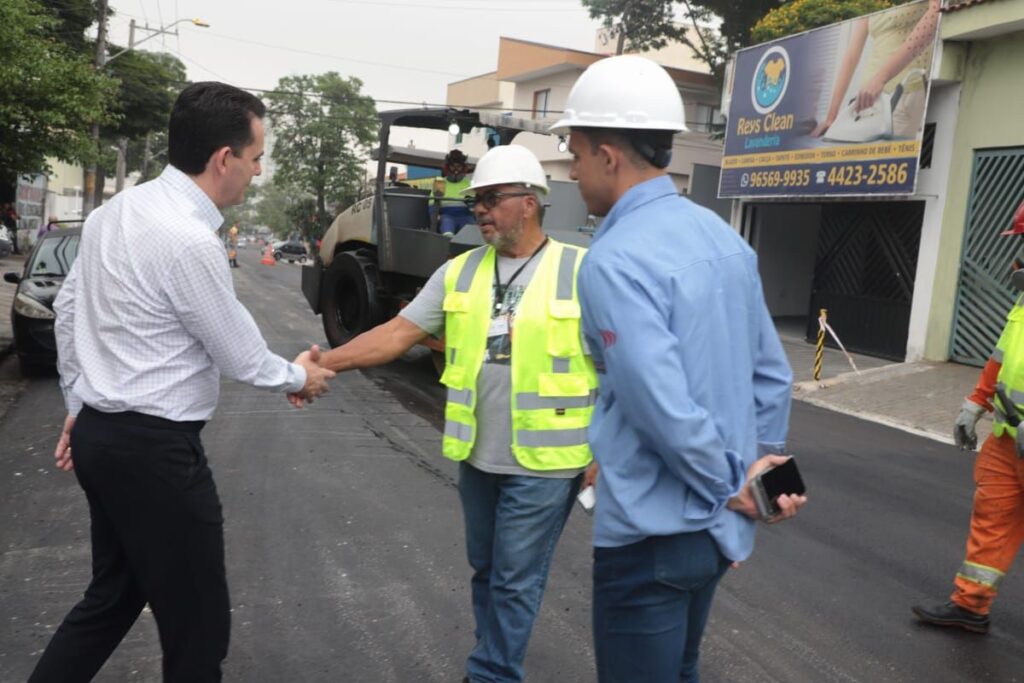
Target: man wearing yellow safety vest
point(448, 192)
point(997, 520)
point(521, 390)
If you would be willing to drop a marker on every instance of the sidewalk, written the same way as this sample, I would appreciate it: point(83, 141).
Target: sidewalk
point(920, 398)
point(14, 263)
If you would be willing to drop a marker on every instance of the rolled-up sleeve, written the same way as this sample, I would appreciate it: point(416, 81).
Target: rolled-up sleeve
point(203, 296)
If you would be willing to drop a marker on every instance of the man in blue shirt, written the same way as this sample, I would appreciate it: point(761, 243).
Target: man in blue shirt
point(694, 384)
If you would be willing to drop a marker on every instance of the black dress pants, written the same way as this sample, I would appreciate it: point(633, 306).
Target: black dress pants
point(157, 538)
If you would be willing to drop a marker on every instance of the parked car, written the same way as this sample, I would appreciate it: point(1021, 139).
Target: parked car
point(32, 313)
point(6, 246)
point(291, 251)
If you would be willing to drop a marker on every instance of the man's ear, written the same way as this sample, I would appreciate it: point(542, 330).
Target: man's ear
point(219, 160)
point(611, 158)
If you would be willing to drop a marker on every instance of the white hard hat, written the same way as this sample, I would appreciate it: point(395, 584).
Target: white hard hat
point(506, 165)
point(627, 92)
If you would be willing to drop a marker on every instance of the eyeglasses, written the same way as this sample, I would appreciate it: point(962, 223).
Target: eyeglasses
point(491, 199)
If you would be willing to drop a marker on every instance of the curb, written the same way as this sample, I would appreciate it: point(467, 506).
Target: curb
point(878, 419)
point(868, 376)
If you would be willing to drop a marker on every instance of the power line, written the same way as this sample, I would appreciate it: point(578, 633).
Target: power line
point(461, 8)
point(324, 54)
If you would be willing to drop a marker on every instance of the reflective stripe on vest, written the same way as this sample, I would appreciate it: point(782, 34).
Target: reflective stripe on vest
point(554, 385)
point(979, 573)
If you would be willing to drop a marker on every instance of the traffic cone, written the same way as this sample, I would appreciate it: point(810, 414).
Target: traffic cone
point(268, 256)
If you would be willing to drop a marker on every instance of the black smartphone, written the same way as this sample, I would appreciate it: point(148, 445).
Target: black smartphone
point(774, 482)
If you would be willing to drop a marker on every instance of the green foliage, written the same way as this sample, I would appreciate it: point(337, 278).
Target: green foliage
point(50, 94)
point(323, 127)
point(649, 25)
point(149, 83)
point(73, 18)
point(803, 15)
point(738, 17)
point(304, 219)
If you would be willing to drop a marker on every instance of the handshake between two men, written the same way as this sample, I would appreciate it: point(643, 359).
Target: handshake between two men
point(317, 377)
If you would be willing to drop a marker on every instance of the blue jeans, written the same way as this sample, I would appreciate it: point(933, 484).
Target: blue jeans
point(512, 525)
point(453, 218)
point(651, 603)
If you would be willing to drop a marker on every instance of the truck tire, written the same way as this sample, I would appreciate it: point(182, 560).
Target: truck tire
point(349, 303)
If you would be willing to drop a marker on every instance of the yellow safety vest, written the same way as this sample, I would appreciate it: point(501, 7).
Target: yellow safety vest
point(453, 192)
point(554, 385)
point(1010, 353)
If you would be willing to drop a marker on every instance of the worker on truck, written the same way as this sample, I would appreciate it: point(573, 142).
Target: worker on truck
point(521, 390)
point(997, 518)
point(450, 211)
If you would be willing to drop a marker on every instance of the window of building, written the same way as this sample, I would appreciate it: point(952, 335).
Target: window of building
point(540, 103)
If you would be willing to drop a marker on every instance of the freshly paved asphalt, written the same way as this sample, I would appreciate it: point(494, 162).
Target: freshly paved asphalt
point(345, 552)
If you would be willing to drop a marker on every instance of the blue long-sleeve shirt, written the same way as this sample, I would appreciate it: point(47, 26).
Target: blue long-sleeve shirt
point(694, 383)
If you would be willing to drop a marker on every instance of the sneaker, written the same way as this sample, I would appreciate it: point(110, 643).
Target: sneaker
point(951, 614)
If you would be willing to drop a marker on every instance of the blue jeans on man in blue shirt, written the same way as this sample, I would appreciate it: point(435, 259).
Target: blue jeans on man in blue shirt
point(513, 523)
point(651, 603)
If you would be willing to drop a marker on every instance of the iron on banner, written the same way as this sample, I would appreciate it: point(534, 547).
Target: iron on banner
point(834, 111)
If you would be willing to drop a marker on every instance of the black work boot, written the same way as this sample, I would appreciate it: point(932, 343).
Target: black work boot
point(951, 614)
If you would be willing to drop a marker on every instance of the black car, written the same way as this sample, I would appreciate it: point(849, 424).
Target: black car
point(290, 251)
point(32, 314)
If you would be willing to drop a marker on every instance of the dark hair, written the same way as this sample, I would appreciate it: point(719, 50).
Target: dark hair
point(206, 117)
point(643, 147)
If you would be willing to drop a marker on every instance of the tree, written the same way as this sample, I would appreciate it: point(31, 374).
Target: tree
point(650, 25)
point(50, 94)
point(149, 82)
point(303, 217)
point(323, 127)
point(803, 15)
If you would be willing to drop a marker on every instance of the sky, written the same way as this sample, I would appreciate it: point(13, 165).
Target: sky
point(402, 50)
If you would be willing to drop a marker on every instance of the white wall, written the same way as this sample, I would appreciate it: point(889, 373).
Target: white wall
point(786, 240)
point(943, 104)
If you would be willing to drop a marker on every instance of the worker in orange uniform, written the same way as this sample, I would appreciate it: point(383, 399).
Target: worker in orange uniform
point(997, 520)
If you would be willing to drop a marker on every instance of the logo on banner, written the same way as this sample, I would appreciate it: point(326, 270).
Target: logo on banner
point(771, 78)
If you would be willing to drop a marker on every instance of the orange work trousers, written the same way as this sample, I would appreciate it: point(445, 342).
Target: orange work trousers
point(997, 524)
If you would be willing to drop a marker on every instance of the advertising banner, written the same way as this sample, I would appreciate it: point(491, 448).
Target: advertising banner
point(835, 111)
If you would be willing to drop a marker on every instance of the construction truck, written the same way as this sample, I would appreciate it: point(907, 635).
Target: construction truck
point(379, 252)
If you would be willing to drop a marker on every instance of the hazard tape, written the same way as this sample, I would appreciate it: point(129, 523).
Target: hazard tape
point(823, 325)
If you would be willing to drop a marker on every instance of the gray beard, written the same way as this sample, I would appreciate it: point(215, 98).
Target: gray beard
point(503, 241)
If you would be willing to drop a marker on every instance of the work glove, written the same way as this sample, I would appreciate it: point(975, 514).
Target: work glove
point(965, 432)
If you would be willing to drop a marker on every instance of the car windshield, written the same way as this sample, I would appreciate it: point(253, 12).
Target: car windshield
point(54, 256)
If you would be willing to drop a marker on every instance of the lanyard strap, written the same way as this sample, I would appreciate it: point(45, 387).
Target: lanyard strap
point(499, 295)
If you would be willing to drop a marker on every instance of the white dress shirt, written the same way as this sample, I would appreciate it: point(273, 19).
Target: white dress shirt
point(147, 319)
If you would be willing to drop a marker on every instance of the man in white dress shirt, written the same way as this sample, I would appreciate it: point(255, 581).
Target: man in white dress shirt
point(147, 323)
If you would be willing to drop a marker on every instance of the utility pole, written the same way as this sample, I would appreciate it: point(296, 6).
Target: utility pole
point(89, 192)
point(122, 142)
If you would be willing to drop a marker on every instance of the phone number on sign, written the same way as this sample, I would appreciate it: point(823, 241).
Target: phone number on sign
point(793, 178)
point(869, 174)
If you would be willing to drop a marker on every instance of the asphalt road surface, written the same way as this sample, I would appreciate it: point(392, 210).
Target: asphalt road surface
point(346, 560)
